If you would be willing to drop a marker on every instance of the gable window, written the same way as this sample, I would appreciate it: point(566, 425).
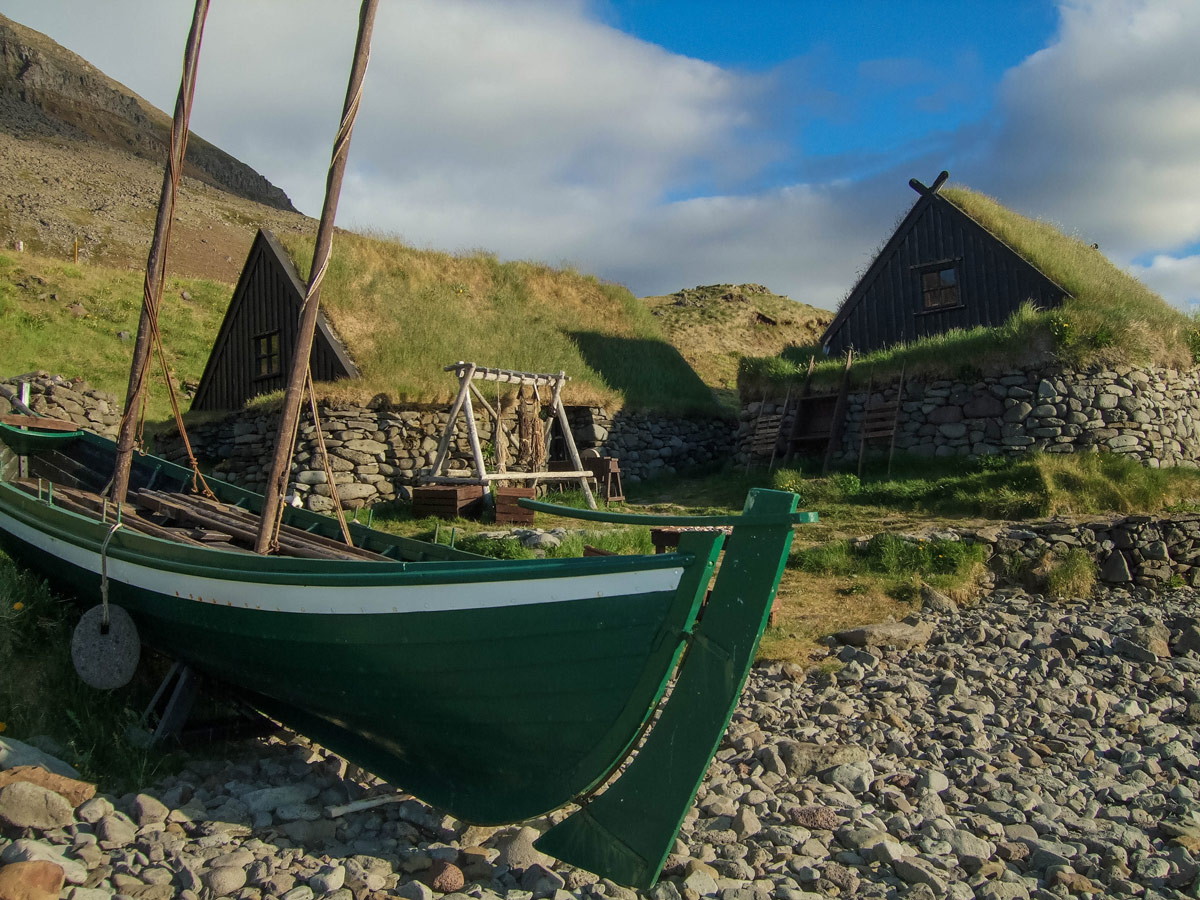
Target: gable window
point(267, 360)
point(939, 287)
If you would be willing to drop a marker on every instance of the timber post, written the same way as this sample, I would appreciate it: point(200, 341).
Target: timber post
point(289, 415)
point(156, 260)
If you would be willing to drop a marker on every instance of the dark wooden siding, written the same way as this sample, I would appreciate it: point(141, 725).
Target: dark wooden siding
point(267, 299)
point(887, 305)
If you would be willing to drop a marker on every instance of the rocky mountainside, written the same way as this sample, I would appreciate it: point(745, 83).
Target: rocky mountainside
point(70, 95)
point(81, 159)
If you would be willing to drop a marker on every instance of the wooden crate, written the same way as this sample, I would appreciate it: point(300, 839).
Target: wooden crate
point(448, 501)
point(507, 510)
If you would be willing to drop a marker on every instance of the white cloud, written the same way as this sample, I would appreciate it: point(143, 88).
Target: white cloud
point(1100, 130)
point(529, 128)
point(1176, 278)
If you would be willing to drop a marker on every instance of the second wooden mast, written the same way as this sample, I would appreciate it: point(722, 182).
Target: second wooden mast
point(298, 378)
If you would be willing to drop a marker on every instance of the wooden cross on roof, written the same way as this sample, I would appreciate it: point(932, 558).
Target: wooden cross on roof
point(933, 188)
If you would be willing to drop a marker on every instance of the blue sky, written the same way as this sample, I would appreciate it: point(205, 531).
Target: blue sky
point(668, 144)
point(852, 81)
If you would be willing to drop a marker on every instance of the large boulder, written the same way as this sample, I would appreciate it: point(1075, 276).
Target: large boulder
point(27, 805)
point(889, 635)
point(17, 753)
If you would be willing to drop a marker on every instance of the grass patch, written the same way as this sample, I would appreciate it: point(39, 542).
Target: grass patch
point(39, 330)
point(47, 698)
point(1072, 576)
point(406, 313)
point(624, 541)
point(890, 555)
point(993, 487)
point(893, 565)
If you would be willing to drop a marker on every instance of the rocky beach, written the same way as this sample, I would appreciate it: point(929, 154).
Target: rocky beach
point(1017, 748)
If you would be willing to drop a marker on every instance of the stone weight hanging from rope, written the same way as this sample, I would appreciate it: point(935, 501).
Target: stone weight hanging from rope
point(106, 658)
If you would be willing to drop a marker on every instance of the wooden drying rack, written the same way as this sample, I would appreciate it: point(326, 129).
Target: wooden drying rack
point(467, 374)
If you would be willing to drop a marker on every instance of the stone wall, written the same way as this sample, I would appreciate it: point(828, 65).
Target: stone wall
point(376, 454)
point(1147, 551)
point(1152, 414)
point(72, 400)
point(652, 444)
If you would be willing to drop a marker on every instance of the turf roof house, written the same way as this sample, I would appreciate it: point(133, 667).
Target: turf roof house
point(253, 350)
point(940, 270)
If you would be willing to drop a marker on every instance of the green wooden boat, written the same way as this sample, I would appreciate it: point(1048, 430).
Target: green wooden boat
point(495, 689)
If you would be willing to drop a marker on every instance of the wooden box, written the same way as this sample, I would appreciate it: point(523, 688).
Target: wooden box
point(507, 510)
point(448, 501)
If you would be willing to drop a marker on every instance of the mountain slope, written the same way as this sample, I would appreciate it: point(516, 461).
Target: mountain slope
point(81, 159)
point(74, 95)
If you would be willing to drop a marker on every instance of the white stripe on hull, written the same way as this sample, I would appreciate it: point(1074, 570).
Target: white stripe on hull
point(364, 599)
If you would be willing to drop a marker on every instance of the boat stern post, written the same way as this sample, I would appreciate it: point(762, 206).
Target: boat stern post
point(626, 832)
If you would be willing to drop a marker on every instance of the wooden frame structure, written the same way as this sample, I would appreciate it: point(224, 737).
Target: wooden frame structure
point(467, 374)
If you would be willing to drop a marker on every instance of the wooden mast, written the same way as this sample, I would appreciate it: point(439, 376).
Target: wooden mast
point(290, 414)
point(157, 259)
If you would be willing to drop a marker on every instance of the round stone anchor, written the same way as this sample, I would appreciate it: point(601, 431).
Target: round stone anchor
point(105, 659)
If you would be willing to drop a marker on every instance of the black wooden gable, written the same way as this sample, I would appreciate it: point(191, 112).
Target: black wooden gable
point(940, 270)
point(253, 351)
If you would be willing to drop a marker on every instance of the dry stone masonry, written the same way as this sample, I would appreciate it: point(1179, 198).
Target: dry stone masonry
point(1152, 414)
point(376, 454)
point(72, 400)
point(1146, 551)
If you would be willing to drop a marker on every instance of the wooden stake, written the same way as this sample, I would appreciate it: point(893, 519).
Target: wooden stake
point(464, 382)
point(289, 415)
point(473, 436)
point(76, 251)
point(839, 414)
point(569, 439)
point(156, 260)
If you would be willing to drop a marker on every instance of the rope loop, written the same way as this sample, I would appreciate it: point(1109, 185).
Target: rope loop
point(104, 621)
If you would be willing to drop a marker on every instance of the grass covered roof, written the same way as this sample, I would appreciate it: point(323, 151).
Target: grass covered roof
point(1109, 319)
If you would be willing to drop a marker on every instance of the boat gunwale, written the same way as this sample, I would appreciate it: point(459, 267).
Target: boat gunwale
point(134, 547)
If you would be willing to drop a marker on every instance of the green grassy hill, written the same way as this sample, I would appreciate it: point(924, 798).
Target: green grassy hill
point(68, 319)
point(715, 326)
point(403, 313)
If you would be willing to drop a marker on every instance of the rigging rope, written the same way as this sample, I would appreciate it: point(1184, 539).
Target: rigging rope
point(333, 491)
point(104, 620)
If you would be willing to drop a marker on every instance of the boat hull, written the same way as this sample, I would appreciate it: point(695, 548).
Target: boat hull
point(495, 689)
point(498, 690)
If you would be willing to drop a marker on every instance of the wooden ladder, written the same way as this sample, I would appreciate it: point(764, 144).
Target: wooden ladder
point(879, 420)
